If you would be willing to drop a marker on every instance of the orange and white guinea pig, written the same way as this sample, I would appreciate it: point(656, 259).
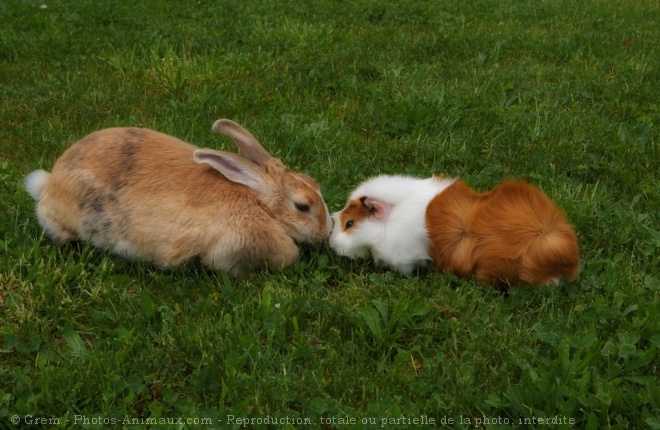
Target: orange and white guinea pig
point(511, 235)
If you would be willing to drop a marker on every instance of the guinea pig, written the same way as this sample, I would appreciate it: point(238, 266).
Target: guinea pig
point(146, 195)
point(511, 235)
point(384, 218)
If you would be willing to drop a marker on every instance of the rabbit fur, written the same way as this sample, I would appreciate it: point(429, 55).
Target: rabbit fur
point(149, 196)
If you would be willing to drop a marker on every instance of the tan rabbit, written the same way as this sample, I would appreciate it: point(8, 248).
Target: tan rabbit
point(149, 196)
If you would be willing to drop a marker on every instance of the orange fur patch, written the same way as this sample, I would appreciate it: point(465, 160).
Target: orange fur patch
point(511, 235)
point(354, 211)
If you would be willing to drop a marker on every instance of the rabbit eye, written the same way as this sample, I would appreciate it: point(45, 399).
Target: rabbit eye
point(348, 225)
point(302, 207)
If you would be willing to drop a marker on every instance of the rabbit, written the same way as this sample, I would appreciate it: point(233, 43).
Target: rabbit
point(512, 235)
point(149, 196)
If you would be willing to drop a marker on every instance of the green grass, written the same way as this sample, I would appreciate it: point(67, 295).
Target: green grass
point(562, 93)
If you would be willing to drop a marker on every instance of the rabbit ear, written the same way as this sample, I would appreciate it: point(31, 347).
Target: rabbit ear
point(243, 139)
point(378, 209)
point(232, 166)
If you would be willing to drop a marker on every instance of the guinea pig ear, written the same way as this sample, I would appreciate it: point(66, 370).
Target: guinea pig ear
point(232, 166)
point(379, 210)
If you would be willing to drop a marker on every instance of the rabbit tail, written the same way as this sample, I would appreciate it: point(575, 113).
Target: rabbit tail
point(35, 183)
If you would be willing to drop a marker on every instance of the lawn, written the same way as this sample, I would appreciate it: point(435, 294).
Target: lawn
point(563, 94)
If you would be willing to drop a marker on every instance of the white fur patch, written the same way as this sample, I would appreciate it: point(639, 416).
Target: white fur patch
point(400, 241)
point(35, 183)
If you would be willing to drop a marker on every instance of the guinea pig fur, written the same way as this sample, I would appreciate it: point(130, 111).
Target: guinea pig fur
point(384, 218)
point(512, 235)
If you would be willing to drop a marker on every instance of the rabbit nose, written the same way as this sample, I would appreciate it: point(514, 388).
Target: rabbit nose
point(335, 219)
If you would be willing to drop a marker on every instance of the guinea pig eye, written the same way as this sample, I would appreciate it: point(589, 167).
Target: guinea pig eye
point(302, 207)
point(348, 225)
